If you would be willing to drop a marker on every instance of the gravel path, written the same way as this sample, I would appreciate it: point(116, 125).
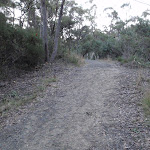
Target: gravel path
point(87, 109)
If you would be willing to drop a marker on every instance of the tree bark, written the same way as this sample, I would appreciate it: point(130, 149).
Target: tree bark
point(53, 27)
point(57, 33)
point(45, 38)
point(41, 24)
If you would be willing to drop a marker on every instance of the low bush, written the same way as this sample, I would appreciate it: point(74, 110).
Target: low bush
point(102, 47)
point(19, 48)
point(33, 53)
point(122, 60)
point(74, 59)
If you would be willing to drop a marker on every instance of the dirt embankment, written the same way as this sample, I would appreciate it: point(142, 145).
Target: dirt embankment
point(94, 107)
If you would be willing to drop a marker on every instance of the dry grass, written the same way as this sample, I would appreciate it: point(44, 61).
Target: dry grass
point(139, 84)
point(13, 100)
point(74, 59)
point(139, 77)
point(146, 103)
point(12, 103)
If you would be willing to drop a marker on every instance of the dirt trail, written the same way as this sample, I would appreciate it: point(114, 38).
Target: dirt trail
point(79, 112)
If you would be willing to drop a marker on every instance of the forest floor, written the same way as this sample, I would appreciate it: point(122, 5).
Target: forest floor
point(93, 107)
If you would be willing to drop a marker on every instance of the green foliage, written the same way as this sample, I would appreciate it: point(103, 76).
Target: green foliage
point(19, 47)
point(123, 60)
point(135, 41)
point(74, 59)
point(67, 22)
point(70, 57)
point(102, 45)
point(143, 27)
point(2, 19)
point(9, 103)
point(5, 2)
point(33, 49)
point(47, 81)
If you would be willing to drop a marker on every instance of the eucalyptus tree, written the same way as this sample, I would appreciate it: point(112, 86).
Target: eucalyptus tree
point(80, 18)
point(115, 19)
point(146, 13)
point(8, 9)
point(31, 15)
point(68, 23)
point(44, 31)
point(52, 15)
point(57, 32)
point(127, 8)
point(92, 17)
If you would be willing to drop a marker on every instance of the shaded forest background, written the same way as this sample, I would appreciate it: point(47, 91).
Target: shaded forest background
point(46, 30)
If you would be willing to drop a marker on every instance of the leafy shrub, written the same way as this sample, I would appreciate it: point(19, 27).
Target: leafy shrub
point(122, 60)
point(33, 52)
point(135, 41)
point(70, 57)
point(102, 48)
point(113, 47)
point(19, 47)
point(74, 59)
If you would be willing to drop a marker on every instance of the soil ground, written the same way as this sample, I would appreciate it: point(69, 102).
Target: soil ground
point(93, 107)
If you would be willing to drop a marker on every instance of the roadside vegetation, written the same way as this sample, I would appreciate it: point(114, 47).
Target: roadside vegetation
point(15, 98)
point(49, 30)
point(29, 40)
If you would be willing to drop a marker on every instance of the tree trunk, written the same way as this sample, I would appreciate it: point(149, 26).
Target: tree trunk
point(53, 27)
point(45, 39)
point(57, 32)
point(41, 24)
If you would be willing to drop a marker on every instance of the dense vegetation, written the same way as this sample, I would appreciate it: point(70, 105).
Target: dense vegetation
point(19, 46)
point(31, 38)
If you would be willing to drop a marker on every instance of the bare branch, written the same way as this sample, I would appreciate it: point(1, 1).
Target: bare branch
point(142, 2)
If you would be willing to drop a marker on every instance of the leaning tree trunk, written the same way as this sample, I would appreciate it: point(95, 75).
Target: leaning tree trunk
point(45, 39)
point(57, 32)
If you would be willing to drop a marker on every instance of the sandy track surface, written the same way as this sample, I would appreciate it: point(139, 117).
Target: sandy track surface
point(87, 109)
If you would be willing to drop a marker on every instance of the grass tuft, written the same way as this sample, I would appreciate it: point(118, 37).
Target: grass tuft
point(13, 100)
point(122, 60)
point(74, 59)
point(146, 104)
point(50, 80)
point(13, 103)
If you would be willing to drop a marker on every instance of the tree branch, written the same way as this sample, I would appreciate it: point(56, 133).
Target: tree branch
point(142, 2)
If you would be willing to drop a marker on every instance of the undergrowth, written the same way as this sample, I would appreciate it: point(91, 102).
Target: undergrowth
point(146, 104)
point(134, 61)
point(13, 100)
point(74, 59)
